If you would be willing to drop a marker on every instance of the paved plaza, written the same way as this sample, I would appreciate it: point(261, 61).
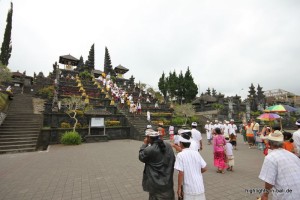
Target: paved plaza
point(111, 170)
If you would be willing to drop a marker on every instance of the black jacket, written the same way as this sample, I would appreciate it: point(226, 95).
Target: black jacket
point(159, 167)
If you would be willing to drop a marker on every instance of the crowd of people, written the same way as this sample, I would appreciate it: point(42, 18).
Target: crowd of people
point(280, 170)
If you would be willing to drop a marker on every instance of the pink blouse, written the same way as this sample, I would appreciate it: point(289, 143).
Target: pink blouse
point(219, 142)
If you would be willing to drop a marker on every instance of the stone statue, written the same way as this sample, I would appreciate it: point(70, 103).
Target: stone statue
point(55, 66)
point(248, 110)
point(230, 108)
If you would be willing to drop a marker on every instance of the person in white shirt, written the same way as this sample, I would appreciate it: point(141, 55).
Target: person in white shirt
point(216, 125)
point(186, 133)
point(148, 116)
point(190, 166)
point(171, 132)
point(130, 97)
point(280, 171)
point(148, 100)
point(208, 132)
point(221, 126)
point(196, 136)
point(255, 130)
point(296, 138)
point(139, 107)
point(211, 128)
point(156, 104)
point(232, 133)
point(226, 129)
point(229, 154)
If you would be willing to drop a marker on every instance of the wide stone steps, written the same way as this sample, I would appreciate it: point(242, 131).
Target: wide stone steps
point(19, 138)
point(19, 142)
point(21, 128)
point(23, 131)
point(22, 118)
point(19, 125)
point(138, 122)
point(18, 150)
point(17, 146)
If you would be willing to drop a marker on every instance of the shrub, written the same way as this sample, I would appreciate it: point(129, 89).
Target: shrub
point(178, 121)
point(161, 114)
point(70, 138)
point(65, 125)
point(164, 121)
point(112, 123)
point(85, 75)
point(3, 100)
point(46, 92)
point(193, 119)
point(78, 125)
point(79, 112)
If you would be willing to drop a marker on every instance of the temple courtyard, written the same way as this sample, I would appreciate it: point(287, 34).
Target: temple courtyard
point(111, 170)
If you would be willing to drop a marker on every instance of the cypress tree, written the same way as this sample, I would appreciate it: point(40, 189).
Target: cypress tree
point(162, 85)
point(214, 92)
point(190, 87)
point(91, 58)
point(208, 91)
point(107, 63)
point(6, 44)
point(260, 93)
point(252, 92)
point(172, 84)
point(181, 90)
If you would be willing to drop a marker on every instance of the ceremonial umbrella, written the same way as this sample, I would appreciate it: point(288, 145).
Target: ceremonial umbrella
point(280, 108)
point(268, 117)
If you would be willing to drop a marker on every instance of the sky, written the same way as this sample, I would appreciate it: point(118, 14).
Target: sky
point(227, 45)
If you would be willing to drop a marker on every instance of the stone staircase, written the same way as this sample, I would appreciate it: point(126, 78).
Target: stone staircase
point(20, 130)
point(138, 124)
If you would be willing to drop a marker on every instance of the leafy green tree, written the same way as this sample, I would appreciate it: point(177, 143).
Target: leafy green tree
point(191, 89)
point(218, 107)
point(5, 74)
point(162, 85)
point(91, 58)
point(158, 96)
point(75, 105)
point(107, 64)
point(6, 44)
point(185, 110)
point(151, 91)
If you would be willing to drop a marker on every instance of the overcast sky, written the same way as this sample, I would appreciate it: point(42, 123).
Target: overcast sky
point(228, 44)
